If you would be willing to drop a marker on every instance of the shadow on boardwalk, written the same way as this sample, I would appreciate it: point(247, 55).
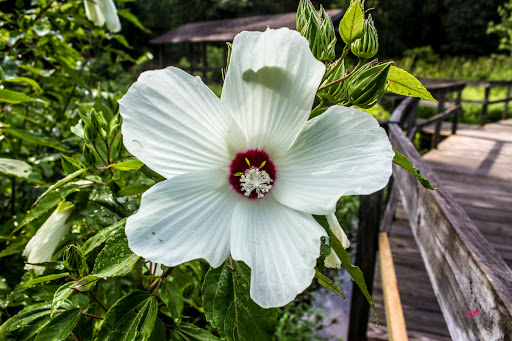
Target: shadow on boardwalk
point(475, 166)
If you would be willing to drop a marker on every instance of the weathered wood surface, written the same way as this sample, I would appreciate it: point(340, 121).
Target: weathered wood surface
point(423, 317)
point(475, 166)
point(465, 271)
point(395, 321)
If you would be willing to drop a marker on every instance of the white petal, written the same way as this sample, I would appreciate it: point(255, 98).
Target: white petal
point(332, 260)
point(41, 247)
point(270, 86)
point(93, 12)
point(341, 152)
point(174, 124)
point(279, 244)
point(184, 218)
point(110, 12)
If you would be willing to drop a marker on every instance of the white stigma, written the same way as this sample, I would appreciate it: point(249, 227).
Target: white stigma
point(255, 179)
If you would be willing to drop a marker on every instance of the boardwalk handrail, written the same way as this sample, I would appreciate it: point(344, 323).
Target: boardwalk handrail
point(487, 85)
point(465, 271)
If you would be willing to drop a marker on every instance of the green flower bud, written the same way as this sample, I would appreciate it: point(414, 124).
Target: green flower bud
point(318, 29)
point(116, 148)
point(90, 132)
point(368, 45)
point(74, 260)
point(366, 87)
point(69, 165)
point(337, 93)
point(97, 120)
point(89, 155)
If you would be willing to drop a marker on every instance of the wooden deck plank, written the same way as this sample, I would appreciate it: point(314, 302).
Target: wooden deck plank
point(423, 317)
point(475, 166)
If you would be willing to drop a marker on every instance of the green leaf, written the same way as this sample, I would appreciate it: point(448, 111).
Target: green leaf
point(61, 294)
point(62, 182)
point(131, 318)
point(133, 190)
point(132, 18)
point(46, 204)
point(354, 271)
point(60, 326)
point(26, 80)
point(406, 164)
point(403, 83)
point(158, 333)
point(195, 333)
point(32, 138)
point(328, 283)
point(172, 296)
point(229, 308)
point(25, 324)
point(86, 283)
point(102, 236)
point(19, 169)
point(116, 258)
point(44, 279)
point(13, 97)
point(351, 26)
point(127, 165)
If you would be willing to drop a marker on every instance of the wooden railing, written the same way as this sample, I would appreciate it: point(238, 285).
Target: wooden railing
point(487, 85)
point(465, 271)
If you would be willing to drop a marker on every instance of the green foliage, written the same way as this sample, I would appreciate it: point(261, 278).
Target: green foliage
point(504, 28)
point(60, 326)
point(406, 164)
point(228, 287)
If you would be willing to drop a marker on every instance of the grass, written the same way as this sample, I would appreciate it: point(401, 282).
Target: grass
point(493, 68)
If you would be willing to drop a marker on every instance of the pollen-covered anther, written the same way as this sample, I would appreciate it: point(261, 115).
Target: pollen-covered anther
point(255, 179)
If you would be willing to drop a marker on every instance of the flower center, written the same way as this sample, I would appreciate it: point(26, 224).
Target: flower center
point(252, 173)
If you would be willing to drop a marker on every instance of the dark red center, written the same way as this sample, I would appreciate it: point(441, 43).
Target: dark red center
point(244, 161)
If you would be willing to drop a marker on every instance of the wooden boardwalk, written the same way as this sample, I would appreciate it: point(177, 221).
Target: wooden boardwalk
point(475, 166)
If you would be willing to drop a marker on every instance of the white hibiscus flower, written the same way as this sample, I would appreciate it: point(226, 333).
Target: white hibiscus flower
point(41, 247)
point(101, 12)
point(245, 173)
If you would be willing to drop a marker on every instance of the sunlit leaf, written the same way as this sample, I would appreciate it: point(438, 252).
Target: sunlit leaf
point(13, 97)
point(26, 80)
point(19, 169)
point(403, 83)
point(127, 165)
point(351, 25)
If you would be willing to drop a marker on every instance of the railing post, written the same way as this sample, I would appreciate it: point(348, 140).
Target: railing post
point(507, 98)
point(205, 60)
point(455, 120)
point(483, 118)
point(440, 109)
point(367, 242)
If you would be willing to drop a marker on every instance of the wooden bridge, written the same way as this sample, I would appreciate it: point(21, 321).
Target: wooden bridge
point(451, 248)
